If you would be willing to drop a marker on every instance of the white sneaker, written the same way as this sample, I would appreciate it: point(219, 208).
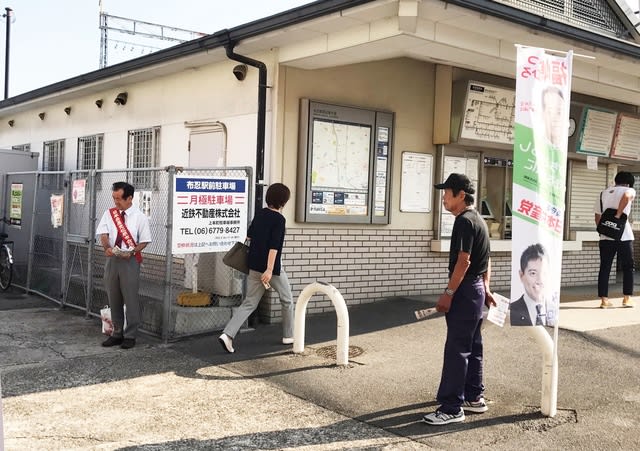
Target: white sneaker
point(479, 406)
point(439, 418)
point(227, 343)
point(287, 341)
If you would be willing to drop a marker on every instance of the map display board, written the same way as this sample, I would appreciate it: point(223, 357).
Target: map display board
point(340, 168)
point(596, 135)
point(344, 162)
point(489, 113)
point(627, 137)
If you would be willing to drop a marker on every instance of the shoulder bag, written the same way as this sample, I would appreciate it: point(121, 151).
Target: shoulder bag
point(238, 257)
point(609, 225)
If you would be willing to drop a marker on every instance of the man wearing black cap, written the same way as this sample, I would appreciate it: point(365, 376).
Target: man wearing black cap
point(461, 387)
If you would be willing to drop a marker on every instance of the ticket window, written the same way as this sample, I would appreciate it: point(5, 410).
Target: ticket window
point(496, 196)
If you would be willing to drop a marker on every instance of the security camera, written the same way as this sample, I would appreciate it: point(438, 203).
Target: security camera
point(240, 71)
point(121, 99)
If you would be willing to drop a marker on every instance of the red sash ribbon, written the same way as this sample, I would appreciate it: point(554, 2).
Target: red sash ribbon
point(124, 232)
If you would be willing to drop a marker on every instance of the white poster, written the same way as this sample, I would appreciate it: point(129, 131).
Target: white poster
point(78, 191)
point(57, 205)
point(209, 213)
point(417, 182)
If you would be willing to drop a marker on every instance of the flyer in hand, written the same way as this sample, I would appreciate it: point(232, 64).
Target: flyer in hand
point(498, 313)
point(425, 313)
point(120, 253)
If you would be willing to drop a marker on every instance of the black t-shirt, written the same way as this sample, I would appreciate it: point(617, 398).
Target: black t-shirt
point(266, 232)
point(470, 235)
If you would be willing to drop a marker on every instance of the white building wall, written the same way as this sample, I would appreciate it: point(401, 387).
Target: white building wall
point(209, 92)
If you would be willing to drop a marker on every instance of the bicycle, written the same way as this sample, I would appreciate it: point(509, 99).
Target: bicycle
point(6, 262)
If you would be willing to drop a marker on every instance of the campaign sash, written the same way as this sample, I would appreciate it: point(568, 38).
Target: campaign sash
point(124, 232)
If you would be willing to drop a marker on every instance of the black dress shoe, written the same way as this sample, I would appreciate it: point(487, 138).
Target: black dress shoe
point(112, 341)
point(128, 343)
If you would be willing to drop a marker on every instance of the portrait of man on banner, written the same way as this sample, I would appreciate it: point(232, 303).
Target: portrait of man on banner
point(538, 304)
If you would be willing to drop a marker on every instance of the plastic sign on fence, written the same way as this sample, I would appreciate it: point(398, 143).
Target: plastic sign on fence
point(15, 209)
point(209, 213)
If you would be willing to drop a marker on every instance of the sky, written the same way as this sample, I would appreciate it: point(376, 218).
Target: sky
point(51, 41)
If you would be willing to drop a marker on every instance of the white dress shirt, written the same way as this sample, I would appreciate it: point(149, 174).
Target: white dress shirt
point(136, 221)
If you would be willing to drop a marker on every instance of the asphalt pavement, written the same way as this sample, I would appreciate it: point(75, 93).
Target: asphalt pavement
point(62, 391)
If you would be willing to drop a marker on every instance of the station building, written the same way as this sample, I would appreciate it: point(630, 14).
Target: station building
point(360, 106)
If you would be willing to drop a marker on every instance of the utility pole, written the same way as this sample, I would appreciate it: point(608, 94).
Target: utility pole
point(7, 15)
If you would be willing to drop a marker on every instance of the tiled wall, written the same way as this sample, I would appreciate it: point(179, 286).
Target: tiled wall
point(368, 265)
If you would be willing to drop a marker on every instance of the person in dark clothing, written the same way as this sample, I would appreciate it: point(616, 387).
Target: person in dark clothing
point(621, 198)
point(266, 235)
point(461, 388)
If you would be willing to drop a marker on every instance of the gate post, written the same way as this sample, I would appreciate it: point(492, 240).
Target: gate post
point(342, 351)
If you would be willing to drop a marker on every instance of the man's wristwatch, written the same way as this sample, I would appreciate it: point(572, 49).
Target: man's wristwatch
point(448, 291)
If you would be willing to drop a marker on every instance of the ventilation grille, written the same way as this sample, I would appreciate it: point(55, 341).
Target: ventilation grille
point(595, 15)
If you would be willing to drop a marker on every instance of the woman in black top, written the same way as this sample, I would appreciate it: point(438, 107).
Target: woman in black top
point(266, 233)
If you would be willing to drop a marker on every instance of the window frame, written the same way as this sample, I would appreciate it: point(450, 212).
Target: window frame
point(143, 151)
point(53, 152)
point(97, 142)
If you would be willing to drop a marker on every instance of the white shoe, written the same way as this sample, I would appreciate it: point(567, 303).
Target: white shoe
point(227, 343)
point(287, 341)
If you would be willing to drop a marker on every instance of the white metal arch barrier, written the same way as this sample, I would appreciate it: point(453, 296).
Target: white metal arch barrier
point(342, 352)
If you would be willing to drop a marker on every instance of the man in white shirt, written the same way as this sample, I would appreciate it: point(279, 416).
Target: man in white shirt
point(124, 232)
point(619, 197)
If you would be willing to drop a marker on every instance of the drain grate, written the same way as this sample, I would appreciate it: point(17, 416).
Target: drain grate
point(330, 352)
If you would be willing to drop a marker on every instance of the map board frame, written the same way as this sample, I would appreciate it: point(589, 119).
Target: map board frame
point(344, 164)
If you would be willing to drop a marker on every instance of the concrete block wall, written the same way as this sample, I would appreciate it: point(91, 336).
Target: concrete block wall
point(368, 265)
point(581, 268)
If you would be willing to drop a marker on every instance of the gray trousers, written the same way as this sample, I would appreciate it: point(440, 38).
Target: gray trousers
point(122, 278)
point(255, 290)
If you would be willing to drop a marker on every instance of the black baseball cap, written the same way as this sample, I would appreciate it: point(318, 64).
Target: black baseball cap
point(457, 182)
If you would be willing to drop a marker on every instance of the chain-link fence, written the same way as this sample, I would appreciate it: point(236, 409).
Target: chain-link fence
point(59, 257)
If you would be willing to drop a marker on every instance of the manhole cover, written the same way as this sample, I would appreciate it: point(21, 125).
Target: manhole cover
point(330, 352)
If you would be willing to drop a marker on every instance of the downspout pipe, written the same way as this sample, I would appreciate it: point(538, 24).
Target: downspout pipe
point(262, 113)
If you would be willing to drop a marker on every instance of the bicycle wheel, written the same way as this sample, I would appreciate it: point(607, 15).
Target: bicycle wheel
point(6, 269)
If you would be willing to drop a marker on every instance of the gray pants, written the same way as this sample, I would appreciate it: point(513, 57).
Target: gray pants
point(255, 290)
point(122, 278)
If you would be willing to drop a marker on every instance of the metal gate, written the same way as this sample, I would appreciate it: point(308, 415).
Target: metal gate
point(58, 256)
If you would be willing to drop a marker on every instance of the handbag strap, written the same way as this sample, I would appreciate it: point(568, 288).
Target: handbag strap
point(601, 207)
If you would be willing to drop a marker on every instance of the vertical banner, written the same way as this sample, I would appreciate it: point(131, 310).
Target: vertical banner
point(543, 88)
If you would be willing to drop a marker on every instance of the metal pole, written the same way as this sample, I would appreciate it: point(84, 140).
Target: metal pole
point(168, 297)
point(32, 232)
point(65, 271)
point(6, 54)
point(91, 240)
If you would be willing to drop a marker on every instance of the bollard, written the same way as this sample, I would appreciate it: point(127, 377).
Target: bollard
point(549, 401)
point(342, 352)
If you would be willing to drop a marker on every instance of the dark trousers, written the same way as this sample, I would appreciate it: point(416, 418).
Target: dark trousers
point(608, 250)
point(462, 369)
